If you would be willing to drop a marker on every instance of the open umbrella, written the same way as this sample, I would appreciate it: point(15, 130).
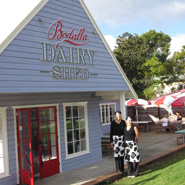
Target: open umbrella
point(178, 102)
point(134, 102)
point(164, 100)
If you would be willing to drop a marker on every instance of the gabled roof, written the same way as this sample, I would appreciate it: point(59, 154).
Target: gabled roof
point(29, 17)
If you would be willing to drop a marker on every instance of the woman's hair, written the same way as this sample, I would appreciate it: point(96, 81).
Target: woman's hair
point(117, 112)
point(128, 117)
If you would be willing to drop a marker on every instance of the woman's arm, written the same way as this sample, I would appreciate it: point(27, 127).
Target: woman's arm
point(137, 134)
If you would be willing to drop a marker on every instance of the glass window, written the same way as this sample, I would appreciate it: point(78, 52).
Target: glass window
point(107, 112)
point(4, 165)
point(76, 128)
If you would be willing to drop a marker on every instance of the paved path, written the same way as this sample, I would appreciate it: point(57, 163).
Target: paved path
point(150, 145)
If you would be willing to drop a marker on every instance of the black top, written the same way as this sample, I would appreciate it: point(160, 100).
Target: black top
point(117, 129)
point(179, 118)
point(130, 134)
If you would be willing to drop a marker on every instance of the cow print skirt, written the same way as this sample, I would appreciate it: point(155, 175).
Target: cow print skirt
point(118, 146)
point(132, 152)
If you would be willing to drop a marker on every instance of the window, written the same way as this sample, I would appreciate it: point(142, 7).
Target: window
point(76, 131)
point(4, 165)
point(107, 113)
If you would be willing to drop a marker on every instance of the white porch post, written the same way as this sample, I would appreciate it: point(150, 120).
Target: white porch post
point(122, 105)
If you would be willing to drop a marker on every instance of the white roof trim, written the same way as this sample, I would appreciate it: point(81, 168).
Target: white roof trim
point(21, 26)
point(108, 48)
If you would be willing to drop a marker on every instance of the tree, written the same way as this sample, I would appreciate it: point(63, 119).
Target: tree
point(145, 59)
point(178, 61)
point(131, 54)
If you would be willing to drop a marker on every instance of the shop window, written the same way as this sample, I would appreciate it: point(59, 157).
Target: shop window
point(4, 165)
point(107, 113)
point(76, 129)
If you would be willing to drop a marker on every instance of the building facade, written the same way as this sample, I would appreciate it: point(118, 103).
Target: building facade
point(56, 68)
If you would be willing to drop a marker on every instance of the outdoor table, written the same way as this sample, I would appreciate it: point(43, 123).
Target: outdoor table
point(143, 123)
point(181, 132)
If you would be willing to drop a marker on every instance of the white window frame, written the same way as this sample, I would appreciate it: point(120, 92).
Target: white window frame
point(84, 104)
point(101, 118)
point(5, 143)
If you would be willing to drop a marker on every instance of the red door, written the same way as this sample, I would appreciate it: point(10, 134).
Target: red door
point(25, 146)
point(48, 141)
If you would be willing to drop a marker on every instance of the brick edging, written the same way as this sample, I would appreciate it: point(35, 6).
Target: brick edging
point(115, 175)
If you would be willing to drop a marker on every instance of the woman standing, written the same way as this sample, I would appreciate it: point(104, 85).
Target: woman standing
point(117, 141)
point(132, 155)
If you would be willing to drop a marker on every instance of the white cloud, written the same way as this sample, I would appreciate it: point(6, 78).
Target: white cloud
point(176, 43)
point(121, 12)
point(12, 12)
point(111, 41)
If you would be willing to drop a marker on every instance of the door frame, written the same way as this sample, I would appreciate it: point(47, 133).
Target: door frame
point(15, 132)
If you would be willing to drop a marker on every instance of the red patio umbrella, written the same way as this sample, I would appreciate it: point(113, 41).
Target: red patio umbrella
point(164, 100)
point(134, 102)
point(178, 102)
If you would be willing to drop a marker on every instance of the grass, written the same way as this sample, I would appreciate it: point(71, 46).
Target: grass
point(169, 171)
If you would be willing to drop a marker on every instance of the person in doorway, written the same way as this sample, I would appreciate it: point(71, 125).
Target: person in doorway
point(132, 155)
point(117, 141)
point(165, 122)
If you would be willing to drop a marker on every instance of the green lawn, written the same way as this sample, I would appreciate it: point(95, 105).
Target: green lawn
point(168, 172)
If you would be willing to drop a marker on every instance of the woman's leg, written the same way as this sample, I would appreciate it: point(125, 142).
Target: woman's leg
point(129, 168)
point(135, 169)
point(119, 162)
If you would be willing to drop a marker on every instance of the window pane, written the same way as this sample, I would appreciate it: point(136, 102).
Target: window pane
point(75, 111)
point(51, 114)
point(81, 111)
point(43, 128)
point(23, 162)
point(53, 154)
point(69, 124)
point(77, 146)
point(25, 117)
point(26, 133)
point(45, 154)
point(20, 118)
point(1, 147)
point(43, 114)
point(82, 133)
point(22, 147)
point(68, 112)
point(21, 132)
point(69, 136)
point(44, 140)
point(76, 134)
point(53, 139)
point(70, 148)
point(83, 145)
point(52, 126)
point(1, 165)
point(75, 123)
point(82, 122)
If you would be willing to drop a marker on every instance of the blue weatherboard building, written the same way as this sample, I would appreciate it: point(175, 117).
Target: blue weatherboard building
point(58, 81)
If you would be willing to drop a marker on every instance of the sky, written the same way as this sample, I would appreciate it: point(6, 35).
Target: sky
point(113, 17)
